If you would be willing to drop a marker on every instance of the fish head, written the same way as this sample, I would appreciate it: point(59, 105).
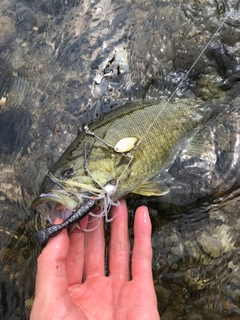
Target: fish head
point(75, 179)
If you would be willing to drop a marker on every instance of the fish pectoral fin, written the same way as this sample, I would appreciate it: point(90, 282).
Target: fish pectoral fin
point(152, 187)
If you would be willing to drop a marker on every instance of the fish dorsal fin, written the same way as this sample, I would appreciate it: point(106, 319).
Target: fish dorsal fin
point(152, 187)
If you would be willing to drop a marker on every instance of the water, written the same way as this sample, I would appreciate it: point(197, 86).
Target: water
point(60, 58)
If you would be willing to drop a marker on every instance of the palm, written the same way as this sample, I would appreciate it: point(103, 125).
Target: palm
point(63, 265)
point(113, 298)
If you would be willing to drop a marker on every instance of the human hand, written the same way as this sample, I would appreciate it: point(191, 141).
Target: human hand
point(71, 283)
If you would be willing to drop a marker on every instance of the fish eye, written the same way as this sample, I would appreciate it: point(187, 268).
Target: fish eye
point(111, 187)
point(68, 173)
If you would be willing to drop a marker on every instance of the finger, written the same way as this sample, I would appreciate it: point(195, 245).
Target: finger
point(119, 248)
point(142, 249)
point(51, 278)
point(94, 249)
point(75, 258)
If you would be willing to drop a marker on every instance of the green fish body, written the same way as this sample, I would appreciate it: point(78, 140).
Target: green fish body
point(119, 154)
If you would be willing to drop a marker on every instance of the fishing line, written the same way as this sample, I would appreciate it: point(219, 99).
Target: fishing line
point(178, 86)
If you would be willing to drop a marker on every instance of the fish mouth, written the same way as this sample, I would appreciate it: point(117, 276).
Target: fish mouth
point(56, 204)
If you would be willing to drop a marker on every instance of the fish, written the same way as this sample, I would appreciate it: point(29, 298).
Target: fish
point(114, 156)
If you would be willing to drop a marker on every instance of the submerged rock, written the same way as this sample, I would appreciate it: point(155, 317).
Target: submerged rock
point(58, 59)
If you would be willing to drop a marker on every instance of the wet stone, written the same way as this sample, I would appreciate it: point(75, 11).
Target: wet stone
point(14, 135)
point(25, 17)
point(218, 243)
point(60, 58)
point(17, 58)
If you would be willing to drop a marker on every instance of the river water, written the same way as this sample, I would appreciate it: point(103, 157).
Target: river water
point(59, 59)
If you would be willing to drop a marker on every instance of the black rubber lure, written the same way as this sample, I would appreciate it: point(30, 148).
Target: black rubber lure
point(42, 236)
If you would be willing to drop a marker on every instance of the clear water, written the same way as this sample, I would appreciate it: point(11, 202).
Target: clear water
point(59, 59)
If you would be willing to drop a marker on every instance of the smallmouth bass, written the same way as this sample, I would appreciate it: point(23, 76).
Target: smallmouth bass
point(119, 154)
